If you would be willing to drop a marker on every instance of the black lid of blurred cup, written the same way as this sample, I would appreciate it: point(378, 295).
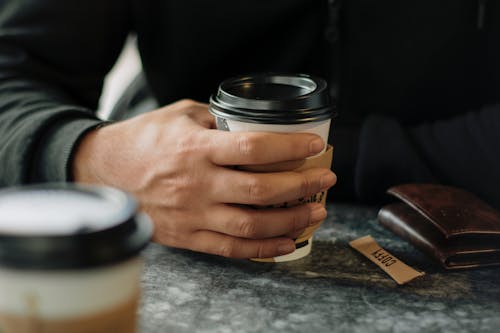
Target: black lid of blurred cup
point(271, 98)
point(63, 226)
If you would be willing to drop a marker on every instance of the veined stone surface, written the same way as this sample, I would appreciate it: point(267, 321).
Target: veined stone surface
point(334, 289)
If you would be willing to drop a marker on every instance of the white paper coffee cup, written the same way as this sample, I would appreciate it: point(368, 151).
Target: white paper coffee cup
point(283, 103)
point(69, 259)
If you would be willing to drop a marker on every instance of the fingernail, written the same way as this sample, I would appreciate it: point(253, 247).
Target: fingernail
point(316, 146)
point(318, 213)
point(286, 247)
point(327, 180)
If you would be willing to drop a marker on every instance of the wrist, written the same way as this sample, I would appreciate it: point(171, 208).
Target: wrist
point(86, 156)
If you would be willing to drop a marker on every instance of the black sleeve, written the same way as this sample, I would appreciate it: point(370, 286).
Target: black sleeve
point(463, 151)
point(54, 55)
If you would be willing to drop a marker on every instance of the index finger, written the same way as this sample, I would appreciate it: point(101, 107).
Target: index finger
point(251, 148)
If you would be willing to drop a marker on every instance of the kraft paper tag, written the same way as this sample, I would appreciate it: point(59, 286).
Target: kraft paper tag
point(395, 268)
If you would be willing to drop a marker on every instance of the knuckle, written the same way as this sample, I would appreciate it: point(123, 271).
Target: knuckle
point(246, 145)
point(187, 146)
point(227, 249)
point(181, 191)
point(186, 102)
point(261, 252)
point(258, 191)
point(248, 226)
point(305, 186)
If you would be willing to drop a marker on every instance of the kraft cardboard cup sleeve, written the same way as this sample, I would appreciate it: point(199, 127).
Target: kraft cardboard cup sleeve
point(69, 259)
point(283, 103)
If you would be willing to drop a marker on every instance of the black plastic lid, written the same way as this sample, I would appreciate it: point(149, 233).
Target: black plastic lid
point(64, 226)
point(273, 99)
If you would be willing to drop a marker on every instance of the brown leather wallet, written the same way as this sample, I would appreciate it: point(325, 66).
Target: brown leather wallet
point(450, 224)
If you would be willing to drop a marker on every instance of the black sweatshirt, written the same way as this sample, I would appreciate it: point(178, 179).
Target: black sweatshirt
point(419, 81)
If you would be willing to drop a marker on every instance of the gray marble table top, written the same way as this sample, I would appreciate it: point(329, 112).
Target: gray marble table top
point(333, 289)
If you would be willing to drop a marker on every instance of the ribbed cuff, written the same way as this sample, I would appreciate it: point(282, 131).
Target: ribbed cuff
point(54, 157)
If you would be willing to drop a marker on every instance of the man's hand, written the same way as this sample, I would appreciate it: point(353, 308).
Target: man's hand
point(181, 170)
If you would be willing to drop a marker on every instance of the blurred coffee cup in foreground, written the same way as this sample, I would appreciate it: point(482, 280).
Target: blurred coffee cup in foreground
point(69, 259)
point(283, 103)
